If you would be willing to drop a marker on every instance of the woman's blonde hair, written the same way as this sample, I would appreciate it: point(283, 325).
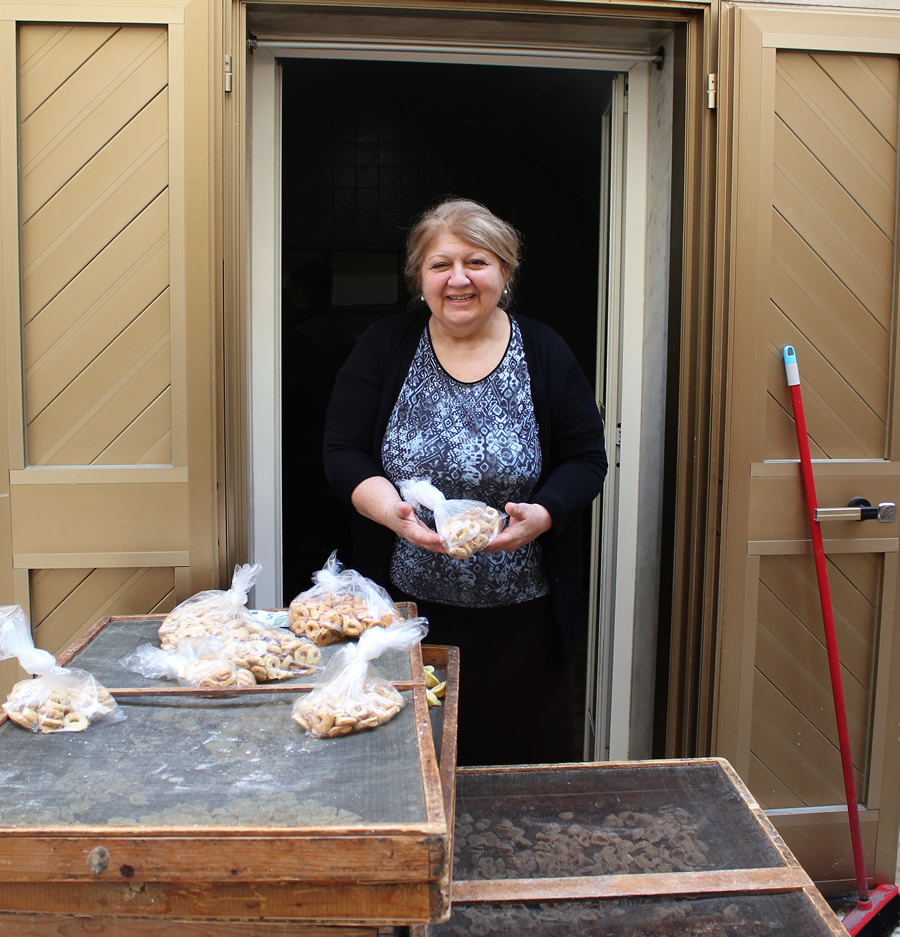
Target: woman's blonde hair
point(470, 222)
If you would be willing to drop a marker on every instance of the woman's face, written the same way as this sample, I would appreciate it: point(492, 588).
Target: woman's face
point(461, 283)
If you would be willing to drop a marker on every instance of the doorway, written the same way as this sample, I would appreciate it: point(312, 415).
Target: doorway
point(350, 170)
point(357, 169)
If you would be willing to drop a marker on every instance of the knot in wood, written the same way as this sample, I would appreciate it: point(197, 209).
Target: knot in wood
point(98, 859)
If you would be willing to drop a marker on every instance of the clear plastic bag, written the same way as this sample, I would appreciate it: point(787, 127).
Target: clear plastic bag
point(212, 611)
point(196, 662)
point(465, 526)
point(263, 657)
point(342, 604)
point(353, 695)
point(268, 652)
point(271, 653)
point(58, 699)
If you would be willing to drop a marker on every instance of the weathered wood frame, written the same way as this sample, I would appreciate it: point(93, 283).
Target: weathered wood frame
point(783, 878)
point(190, 875)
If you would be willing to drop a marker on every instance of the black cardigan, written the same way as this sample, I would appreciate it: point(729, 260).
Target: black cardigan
point(569, 427)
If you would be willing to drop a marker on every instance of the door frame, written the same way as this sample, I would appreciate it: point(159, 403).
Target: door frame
point(615, 553)
point(264, 329)
point(688, 593)
point(626, 265)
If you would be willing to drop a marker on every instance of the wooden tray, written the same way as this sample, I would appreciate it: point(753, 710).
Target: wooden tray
point(637, 849)
point(200, 807)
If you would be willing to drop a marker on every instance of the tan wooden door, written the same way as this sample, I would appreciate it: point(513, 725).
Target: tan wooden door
point(809, 136)
point(108, 311)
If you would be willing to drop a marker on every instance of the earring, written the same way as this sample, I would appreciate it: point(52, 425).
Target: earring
point(422, 298)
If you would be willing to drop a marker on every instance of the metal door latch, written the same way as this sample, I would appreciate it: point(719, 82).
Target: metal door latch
point(859, 509)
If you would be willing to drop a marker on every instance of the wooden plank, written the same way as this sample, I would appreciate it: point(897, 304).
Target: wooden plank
point(745, 881)
point(351, 903)
point(217, 855)
point(104, 560)
point(779, 511)
point(212, 691)
point(106, 474)
point(446, 659)
point(67, 925)
point(802, 547)
point(431, 778)
point(148, 517)
point(592, 767)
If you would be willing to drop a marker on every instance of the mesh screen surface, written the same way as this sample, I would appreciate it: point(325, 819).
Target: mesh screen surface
point(730, 916)
point(196, 761)
point(604, 821)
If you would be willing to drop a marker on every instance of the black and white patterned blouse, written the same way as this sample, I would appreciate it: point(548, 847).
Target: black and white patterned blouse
point(477, 441)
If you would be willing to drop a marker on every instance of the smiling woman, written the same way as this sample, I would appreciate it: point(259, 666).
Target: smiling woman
point(491, 407)
point(463, 265)
point(462, 285)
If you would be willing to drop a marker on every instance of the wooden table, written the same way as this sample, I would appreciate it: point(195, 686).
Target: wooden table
point(217, 812)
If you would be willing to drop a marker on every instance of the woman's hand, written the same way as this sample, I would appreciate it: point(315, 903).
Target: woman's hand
point(526, 523)
point(403, 520)
point(377, 499)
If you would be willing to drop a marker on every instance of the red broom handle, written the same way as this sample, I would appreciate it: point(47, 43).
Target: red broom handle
point(834, 664)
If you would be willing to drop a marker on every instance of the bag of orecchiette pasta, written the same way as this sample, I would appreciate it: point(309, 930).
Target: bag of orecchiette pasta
point(465, 526)
point(353, 695)
point(58, 699)
point(212, 611)
point(341, 604)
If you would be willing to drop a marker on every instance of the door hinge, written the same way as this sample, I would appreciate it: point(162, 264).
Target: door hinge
point(227, 73)
point(712, 90)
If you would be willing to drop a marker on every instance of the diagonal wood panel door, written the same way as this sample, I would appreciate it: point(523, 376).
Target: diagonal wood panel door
point(112, 460)
point(813, 134)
